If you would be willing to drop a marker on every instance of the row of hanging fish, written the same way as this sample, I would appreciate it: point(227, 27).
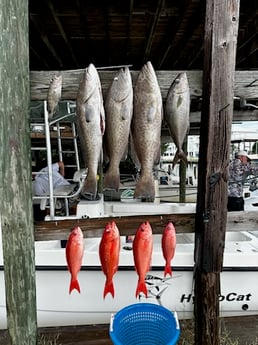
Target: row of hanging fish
point(109, 251)
point(136, 114)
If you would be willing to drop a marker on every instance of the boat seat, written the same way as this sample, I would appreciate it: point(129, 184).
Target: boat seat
point(65, 192)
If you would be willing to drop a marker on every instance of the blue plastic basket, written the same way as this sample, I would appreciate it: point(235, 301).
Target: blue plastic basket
point(144, 324)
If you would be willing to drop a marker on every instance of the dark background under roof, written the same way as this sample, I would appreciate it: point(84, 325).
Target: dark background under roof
point(66, 34)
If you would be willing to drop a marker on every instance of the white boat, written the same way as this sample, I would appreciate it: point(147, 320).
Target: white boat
point(55, 307)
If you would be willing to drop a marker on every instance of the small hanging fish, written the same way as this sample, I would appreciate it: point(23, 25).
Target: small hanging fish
point(54, 95)
point(74, 254)
point(109, 249)
point(168, 246)
point(177, 110)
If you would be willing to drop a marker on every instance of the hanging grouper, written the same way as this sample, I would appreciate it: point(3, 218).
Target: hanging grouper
point(91, 127)
point(109, 249)
point(177, 110)
point(146, 129)
point(54, 95)
point(119, 109)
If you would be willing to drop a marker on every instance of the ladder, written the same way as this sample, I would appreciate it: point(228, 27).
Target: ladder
point(60, 137)
point(61, 153)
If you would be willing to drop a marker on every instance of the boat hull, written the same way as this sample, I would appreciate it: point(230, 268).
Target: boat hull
point(56, 307)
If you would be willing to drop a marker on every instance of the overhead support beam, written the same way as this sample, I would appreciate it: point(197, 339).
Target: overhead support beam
point(245, 86)
point(185, 15)
point(172, 27)
point(252, 51)
point(129, 27)
point(153, 27)
point(39, 57)
point(46, 41)
point(108, 41)
point(192, 27)
point(83, 15)
point(62, 31)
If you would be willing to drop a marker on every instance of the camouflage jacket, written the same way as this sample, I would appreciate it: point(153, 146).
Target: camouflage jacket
point(238, 172)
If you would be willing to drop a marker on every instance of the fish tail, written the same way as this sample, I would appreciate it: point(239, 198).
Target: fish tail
point(90, 186)
point(109, 288)
point(74, 285)
point(141, 287)
point(145, 188)
point(167, 270)
point(112, 179)
point(179, 155)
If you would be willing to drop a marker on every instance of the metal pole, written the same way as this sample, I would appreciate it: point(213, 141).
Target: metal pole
point(49, 163)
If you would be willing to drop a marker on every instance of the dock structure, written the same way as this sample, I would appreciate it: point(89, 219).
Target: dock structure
point(217, 86)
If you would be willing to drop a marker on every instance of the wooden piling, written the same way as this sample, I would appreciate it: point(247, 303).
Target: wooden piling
point(15, 174)
point(221, 27)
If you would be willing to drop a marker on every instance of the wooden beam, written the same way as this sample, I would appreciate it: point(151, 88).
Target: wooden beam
point(129, 29)
point(192, 28)
point(152, 30)
point(40, 58)
point(62, 31)
point(93, 227)
point(246, 82)
point(46, 41)
point(16, 222)
point(220, 40)
point(186, 23)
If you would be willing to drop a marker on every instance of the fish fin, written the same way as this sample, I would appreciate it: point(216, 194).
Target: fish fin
point(179, 101)
point(141, 287)
point(109, 288)
point(167, 270)
point(145, 188)
point(74, 285)
point(89, 113)
point(179, 155)
point(151, 114)
point(111, 179)
point(90, 186)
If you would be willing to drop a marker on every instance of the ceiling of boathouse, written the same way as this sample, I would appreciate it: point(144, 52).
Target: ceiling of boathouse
point(69, 35)
point(65, 34)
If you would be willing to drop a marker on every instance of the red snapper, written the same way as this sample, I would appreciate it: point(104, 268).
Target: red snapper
point(109, 248)
point(168, 246)
point(142, 251)
point(74, 254)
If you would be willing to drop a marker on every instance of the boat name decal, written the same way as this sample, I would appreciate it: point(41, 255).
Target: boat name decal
point(230, 297)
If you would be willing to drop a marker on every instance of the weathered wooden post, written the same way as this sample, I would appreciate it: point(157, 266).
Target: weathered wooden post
point(221, 27)
point(15, 174)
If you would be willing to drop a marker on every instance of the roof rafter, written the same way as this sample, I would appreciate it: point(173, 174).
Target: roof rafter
point(169, 39)
point(129, 26)
point(192, 26)
point(61, 30)
point(46, 41)
point(150, 39)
